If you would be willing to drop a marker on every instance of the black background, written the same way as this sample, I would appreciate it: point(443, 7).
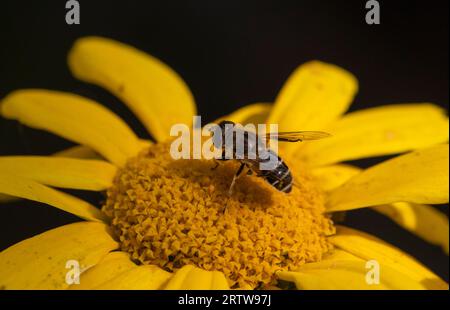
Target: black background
point(230, 53)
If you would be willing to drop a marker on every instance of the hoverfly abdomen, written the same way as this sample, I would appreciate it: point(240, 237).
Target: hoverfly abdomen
point(280, 177)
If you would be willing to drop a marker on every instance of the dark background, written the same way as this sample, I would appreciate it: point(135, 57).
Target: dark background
point(230, 53)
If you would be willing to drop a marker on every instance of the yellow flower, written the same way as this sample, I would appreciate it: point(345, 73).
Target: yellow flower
point(161, 226)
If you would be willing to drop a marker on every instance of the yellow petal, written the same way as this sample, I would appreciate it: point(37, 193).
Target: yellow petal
point(78, 151)
point(193, 278)
point(256, 113)
point(147, 277)
point(368, 247)
point(152, 90)
point(419, 177)
point(117, 272)
point(338, 254)
point(61, 172)
point(113, 264)
point(422, 220)
point(143, 143)
point(29, 189)
point(74, 118)
point(6, 198)
point(331, 177)
point(380, 131)
point(40, 262)
point(347, 275)
point(314, 95)
point(82, 151)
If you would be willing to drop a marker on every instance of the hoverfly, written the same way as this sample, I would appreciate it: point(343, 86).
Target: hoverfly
point(279, 176)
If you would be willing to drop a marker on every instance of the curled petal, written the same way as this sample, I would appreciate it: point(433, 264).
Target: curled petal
point(419, 177)
point(424, 221)
point(368, 247)
point(16, 186)
point(347, 275)
point(380, 131)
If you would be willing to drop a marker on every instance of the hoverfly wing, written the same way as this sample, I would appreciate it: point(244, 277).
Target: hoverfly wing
point(297, 136)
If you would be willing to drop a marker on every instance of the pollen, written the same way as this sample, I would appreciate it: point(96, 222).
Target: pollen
point(172, 213)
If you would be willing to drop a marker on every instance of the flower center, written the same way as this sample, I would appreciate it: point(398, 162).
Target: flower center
point(177, 212)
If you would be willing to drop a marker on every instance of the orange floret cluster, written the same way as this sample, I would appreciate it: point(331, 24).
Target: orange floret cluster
point(176, 212)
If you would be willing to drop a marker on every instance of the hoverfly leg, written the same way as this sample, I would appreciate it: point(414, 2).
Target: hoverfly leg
point(216, 160)
point(238, 173)
point(226, 206)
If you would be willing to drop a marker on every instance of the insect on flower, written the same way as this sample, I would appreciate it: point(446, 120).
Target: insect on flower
point(260, 243)
point(250, 150)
